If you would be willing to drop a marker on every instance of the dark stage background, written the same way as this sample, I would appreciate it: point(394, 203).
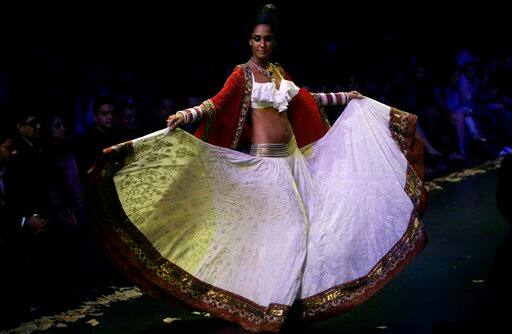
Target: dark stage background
point(51, 53)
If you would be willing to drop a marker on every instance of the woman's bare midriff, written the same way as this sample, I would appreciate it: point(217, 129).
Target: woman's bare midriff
point(270, 126)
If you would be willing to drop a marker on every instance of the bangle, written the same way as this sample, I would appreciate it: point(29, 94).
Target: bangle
point(198, 113)
point(190, 116)
point(193, 113)
point(185, 118)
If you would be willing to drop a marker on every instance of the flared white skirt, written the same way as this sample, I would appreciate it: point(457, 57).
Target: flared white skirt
point(244, 237)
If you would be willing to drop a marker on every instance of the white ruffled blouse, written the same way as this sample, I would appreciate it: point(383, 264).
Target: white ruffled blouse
point(266, 94)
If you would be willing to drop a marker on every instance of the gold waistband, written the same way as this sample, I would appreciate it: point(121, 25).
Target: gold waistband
point(274, 149)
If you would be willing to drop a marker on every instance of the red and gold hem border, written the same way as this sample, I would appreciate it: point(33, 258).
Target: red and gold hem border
point(348, 295)
point(403, 130)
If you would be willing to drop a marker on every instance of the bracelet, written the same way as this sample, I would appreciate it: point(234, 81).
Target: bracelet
point(185, 117)
point(333, 99)
point(344, 98)
point(198, 113)
point(193, 114)
point(190, 117)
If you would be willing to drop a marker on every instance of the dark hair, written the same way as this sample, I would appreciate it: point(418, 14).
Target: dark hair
point(128, 103)
point(101, 100)
point(57, 114)
point(267, 15)
point(21, 118)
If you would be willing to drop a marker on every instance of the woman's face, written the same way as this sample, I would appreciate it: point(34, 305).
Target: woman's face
point(58, 130)
point(262, 42)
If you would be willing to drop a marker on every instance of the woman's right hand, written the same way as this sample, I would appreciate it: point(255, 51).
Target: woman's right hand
point(175, 120)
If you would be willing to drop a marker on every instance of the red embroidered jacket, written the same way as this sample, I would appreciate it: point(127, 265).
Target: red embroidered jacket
point(225, 121)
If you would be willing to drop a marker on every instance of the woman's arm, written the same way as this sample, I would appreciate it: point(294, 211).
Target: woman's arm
point(190, 115)
point(333, 99)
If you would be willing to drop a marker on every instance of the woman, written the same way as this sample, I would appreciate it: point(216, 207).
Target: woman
point(67, 203)
point(64, 186)
point(245, 237)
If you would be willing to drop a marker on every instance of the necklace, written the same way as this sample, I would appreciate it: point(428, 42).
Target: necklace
point(268, 73)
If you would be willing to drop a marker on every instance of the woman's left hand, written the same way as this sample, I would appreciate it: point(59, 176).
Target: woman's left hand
point(355, 95)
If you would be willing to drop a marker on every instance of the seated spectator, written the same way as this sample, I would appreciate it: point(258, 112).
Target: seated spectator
point(27, 193)
point(13, 303)
point(66, 198)
point(102, 134)
point(457, 99)
point(129, 121)
point(157, 119)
